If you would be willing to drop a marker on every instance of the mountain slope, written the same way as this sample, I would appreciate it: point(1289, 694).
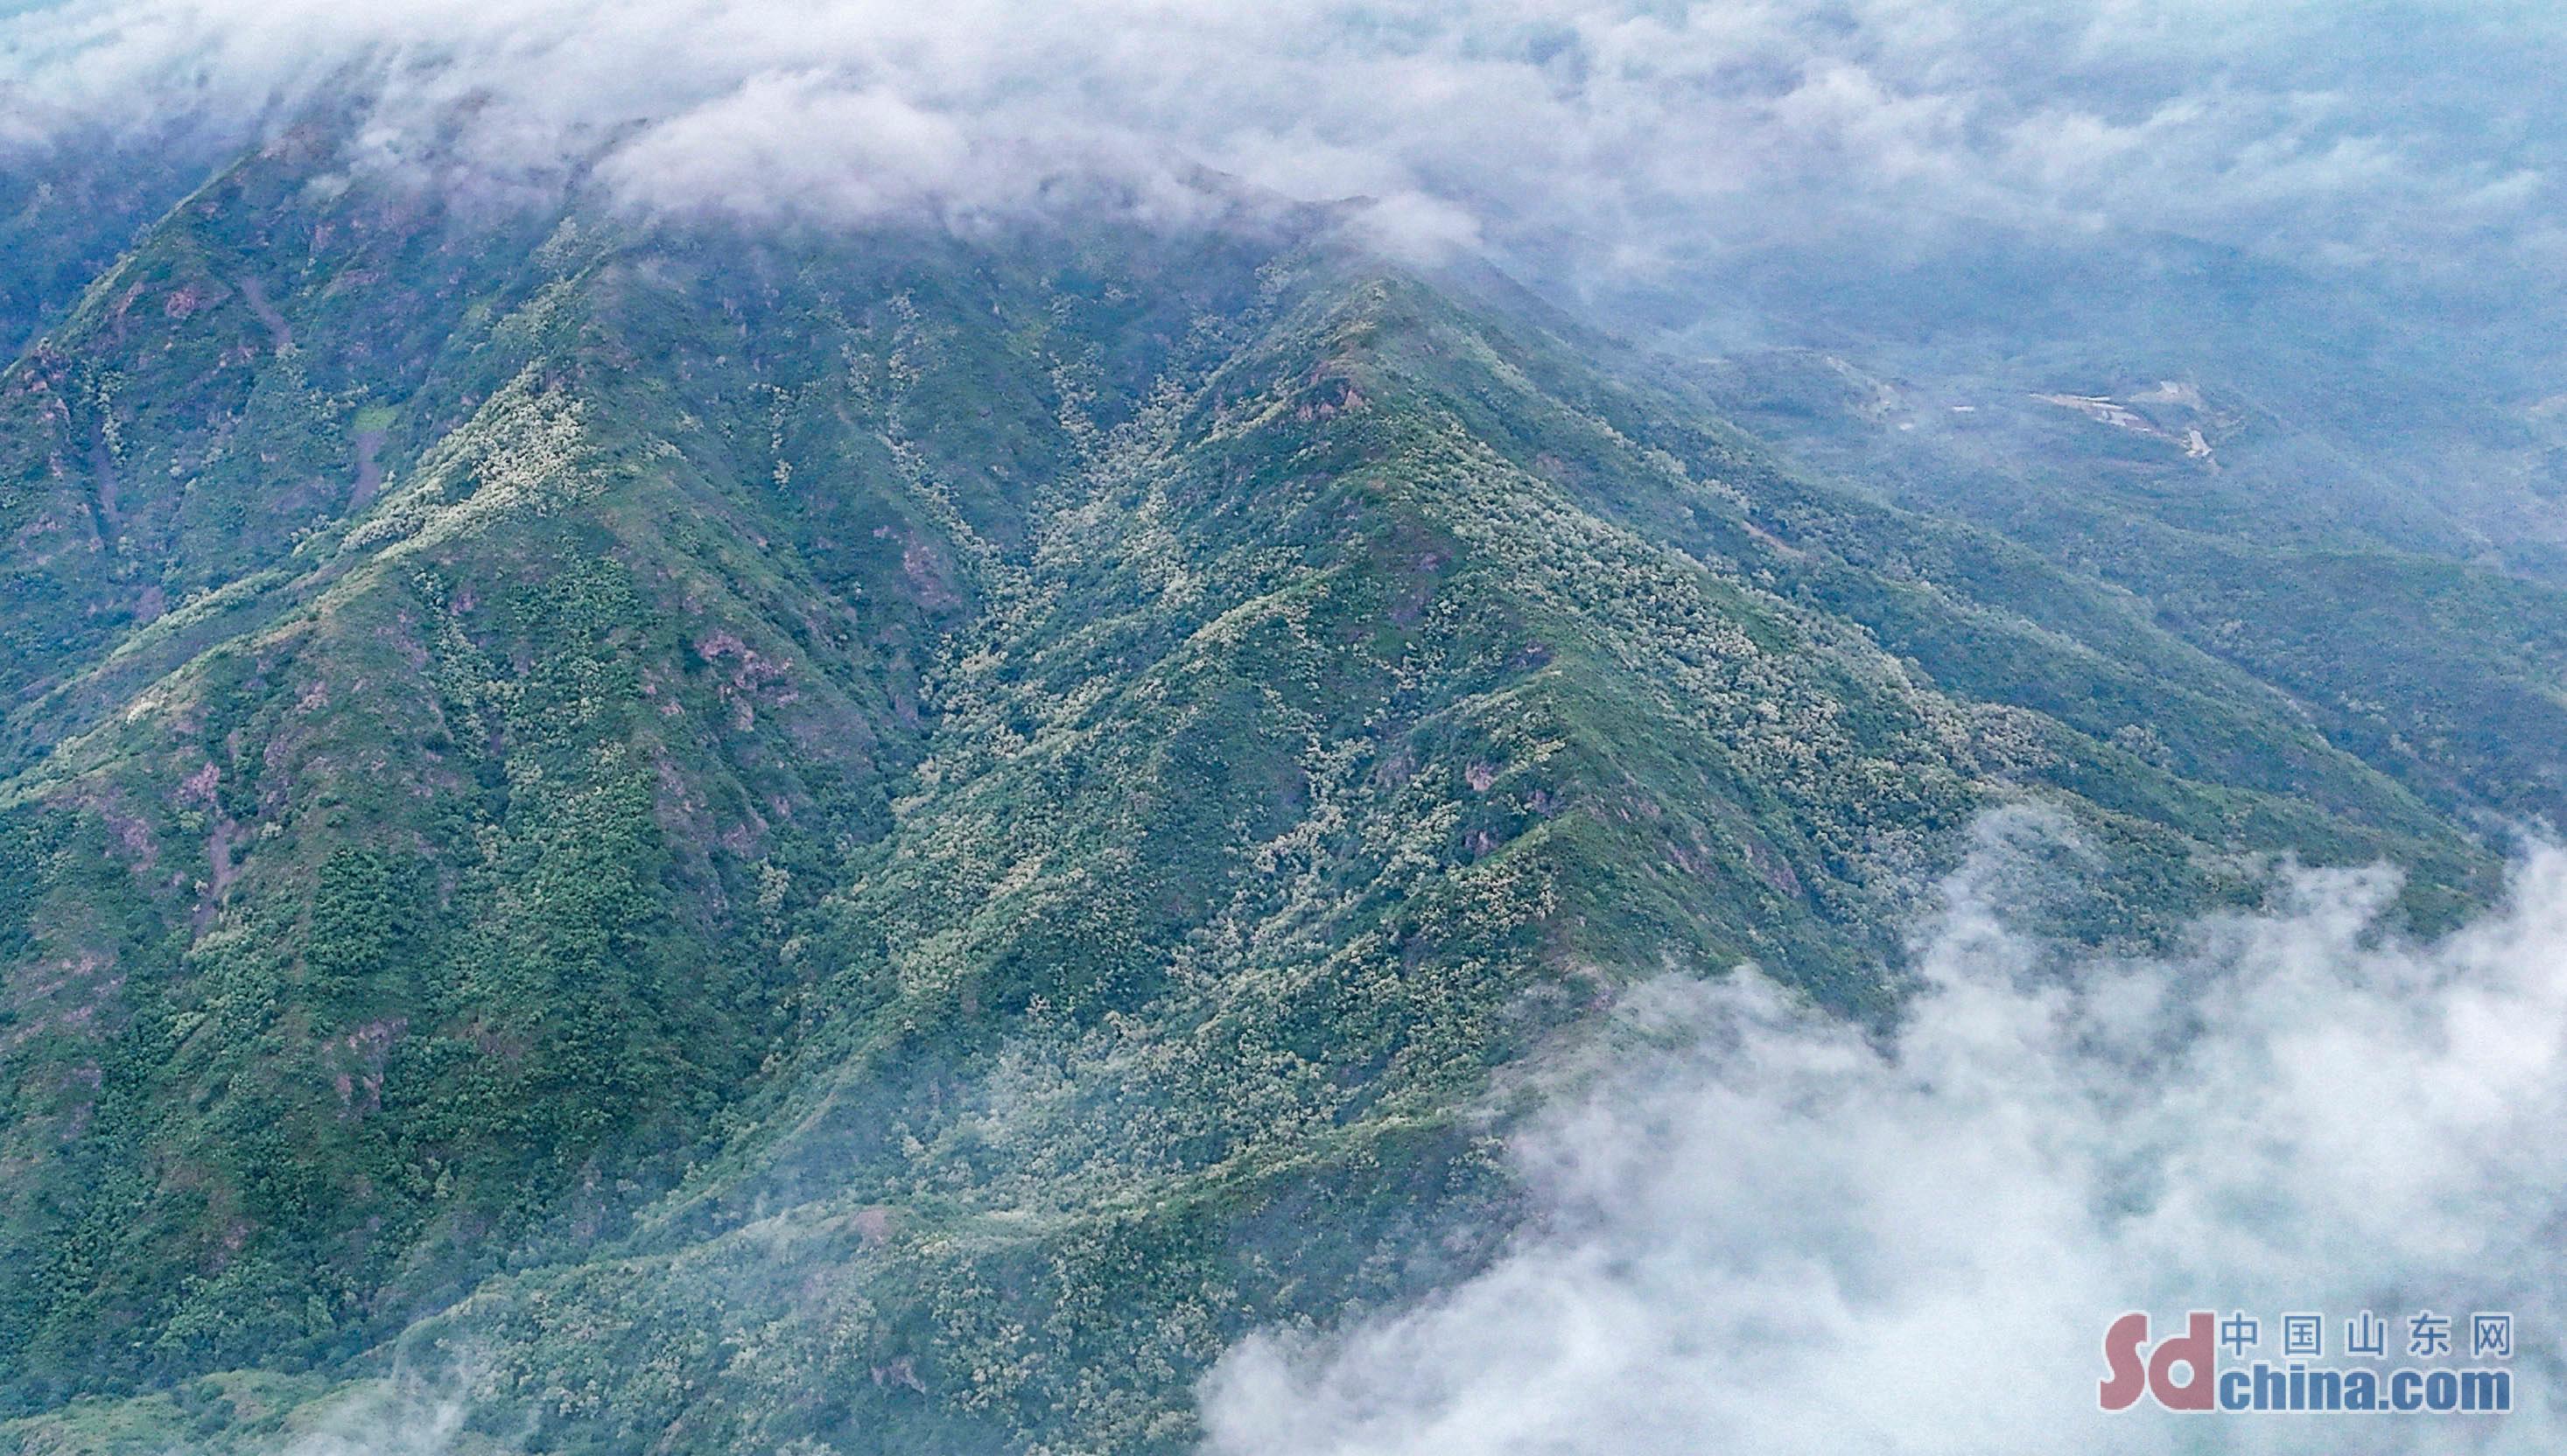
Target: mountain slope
point(2434, 655)
point(895, 839)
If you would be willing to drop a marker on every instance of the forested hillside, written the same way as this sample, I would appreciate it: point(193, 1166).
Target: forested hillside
point(703, 838)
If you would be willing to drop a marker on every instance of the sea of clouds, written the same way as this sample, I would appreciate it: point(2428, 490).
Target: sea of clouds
point(1587, 139)
point(1759, 1231)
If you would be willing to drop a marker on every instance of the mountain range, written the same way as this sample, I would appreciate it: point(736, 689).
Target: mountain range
point(635, 832)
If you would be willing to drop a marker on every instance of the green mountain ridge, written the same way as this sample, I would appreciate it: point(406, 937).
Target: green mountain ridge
point(892, 840)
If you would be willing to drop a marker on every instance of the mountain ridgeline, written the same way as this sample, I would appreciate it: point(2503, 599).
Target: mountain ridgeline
point(887, 841)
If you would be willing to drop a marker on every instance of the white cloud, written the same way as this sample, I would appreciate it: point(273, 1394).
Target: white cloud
point(1768, 1234)
point(1581, 130)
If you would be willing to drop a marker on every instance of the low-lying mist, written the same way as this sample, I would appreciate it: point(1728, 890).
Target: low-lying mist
point(1761, 1232)
point(1757, 1229)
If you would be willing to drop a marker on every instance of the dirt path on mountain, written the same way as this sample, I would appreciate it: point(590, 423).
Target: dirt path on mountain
point(277, 328)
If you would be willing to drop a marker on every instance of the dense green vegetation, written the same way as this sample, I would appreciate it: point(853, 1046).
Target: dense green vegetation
point(701, 843)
